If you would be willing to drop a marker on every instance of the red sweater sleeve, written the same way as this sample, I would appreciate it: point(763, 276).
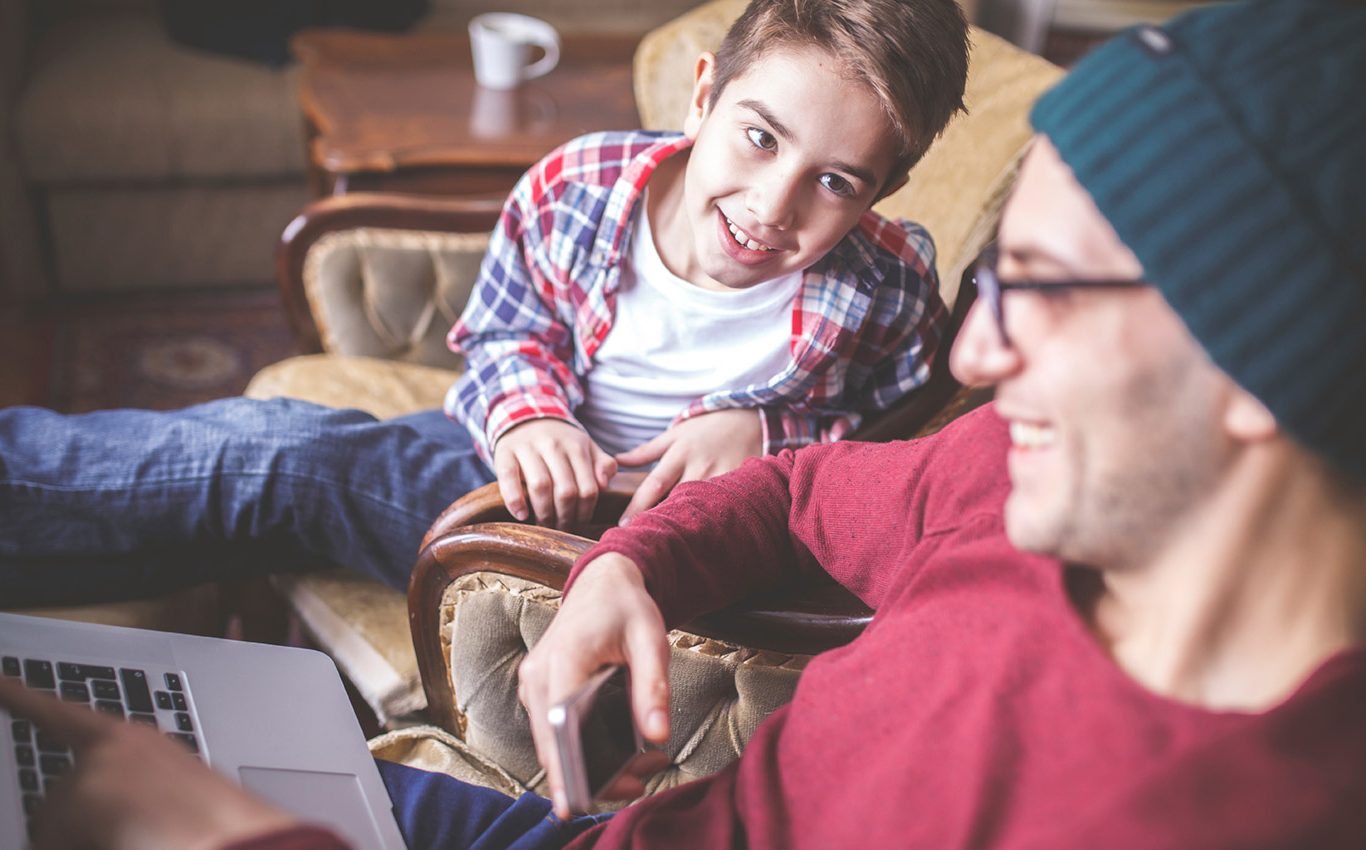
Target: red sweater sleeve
point(852, 509)
point(302, 837)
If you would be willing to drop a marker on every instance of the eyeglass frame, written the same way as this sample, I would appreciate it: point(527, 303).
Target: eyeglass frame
point(991, 289)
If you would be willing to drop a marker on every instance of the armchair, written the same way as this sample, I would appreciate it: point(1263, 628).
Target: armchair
point(374, 281)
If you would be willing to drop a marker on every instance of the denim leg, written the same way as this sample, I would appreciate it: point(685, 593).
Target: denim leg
point(437, 812)
point(134, 500)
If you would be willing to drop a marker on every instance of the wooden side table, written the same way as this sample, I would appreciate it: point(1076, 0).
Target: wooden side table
point(403, 113)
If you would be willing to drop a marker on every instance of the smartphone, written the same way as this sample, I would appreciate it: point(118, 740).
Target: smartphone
point(596, 736)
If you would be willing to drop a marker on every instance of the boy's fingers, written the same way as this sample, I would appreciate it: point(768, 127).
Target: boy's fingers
point(540, 485)
point(647, 452)
point(564, 488)
point(653, 489)
point(510, 484)
point(73, 725)
point(605, 466)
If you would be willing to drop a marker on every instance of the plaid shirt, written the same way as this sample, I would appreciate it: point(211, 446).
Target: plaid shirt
point(865, 324)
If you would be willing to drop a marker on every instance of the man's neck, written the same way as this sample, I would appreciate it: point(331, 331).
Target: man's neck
point(1260, 585)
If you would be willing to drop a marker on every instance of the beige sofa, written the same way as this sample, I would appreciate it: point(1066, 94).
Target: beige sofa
point(130, 161)
point(380, 278)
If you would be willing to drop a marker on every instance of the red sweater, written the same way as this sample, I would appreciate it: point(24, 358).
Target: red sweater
point(976, 711)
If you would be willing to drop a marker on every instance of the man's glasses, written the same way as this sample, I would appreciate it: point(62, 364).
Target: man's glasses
point(990, 288)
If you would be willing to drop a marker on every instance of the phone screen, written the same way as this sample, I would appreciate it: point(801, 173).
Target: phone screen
point(607, 732)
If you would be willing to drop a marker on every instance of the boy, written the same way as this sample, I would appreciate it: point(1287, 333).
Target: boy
point(753, 250)
point(729, 269)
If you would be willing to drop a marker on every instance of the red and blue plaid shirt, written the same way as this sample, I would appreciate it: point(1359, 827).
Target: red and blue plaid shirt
point(865, 324)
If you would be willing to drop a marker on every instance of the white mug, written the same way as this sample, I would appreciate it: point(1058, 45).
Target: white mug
point(501, 43)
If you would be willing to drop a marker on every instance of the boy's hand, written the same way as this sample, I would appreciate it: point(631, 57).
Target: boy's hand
point(132, 788)
point(692, 450)
point(609, 618)
point(556, 466)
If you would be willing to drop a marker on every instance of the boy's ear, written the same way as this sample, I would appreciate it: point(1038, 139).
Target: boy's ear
point(701, 95)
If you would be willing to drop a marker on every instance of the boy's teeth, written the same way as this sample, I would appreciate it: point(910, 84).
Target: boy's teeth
point(743, 238)
point(1027, 436)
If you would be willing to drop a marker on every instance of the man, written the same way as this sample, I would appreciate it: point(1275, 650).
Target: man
point(1174, 331)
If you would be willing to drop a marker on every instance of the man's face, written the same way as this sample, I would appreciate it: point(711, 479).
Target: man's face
point(782, 167)
point(1113, 407)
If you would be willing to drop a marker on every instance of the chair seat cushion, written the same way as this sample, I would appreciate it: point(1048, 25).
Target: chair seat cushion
point(382, 388)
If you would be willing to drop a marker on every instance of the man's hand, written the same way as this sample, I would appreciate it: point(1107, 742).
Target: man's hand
point(556, 466)
point(692, 450)
point(132, 788)
point(608, 619)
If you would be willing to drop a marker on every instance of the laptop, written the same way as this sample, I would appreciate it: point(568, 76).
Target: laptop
point(275, 719)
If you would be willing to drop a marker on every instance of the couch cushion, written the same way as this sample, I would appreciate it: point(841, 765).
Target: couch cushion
point(112, 98)
point(169, 235)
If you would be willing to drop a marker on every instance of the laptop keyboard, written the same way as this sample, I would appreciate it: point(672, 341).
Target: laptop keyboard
point(159, 700)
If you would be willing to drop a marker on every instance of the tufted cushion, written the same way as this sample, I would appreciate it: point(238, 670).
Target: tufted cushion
point(391, 293)
point(721, 692)
point(110, 97)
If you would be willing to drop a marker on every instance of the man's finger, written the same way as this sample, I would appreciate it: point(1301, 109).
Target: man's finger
point(73, 725)
point(648, 657)
point(653, 489)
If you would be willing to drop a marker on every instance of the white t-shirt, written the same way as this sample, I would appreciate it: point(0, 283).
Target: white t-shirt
point(673, 342)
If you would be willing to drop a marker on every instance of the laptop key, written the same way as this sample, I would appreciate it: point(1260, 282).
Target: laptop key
point(187, 740)
point(38, 674)
point(110, 707)
point(183, 722)
point(11, 666)
point(31, 803)
point(179, 702)
point(163, 700)
point(148, 719)
point(75, 692)
point(69, 671)
point(49, 745)
point(105, 690)
point(21, 730)
point(28, 779)
point(54, 766)
point(95, 671)
point(23, 754)
point(173, 682)
point(136, 693)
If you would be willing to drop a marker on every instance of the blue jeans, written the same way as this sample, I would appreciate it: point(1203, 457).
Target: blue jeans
point(437, 812)
point(117, 503)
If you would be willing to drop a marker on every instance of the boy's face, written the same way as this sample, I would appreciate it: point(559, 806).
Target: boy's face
point(782, 166)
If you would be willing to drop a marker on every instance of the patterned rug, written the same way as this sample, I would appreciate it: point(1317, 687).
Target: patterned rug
point(165, 351)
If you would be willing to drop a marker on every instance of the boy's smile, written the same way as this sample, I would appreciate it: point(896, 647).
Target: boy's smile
point(782, 166)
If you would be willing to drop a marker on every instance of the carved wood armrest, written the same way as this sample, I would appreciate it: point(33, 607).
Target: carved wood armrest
point(806, 620)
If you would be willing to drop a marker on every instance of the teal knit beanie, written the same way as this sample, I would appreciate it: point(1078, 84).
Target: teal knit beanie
point(1228, 150)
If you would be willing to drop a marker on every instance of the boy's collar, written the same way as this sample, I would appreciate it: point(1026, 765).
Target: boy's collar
point(627, 192)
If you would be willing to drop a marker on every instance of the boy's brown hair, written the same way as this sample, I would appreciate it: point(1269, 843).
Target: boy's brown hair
point(912, 54)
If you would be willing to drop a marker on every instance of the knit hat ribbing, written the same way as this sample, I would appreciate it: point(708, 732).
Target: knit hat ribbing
point(1228, 150)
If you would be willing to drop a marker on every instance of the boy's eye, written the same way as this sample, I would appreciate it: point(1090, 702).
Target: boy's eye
point(838, 185)
point(761, 139)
